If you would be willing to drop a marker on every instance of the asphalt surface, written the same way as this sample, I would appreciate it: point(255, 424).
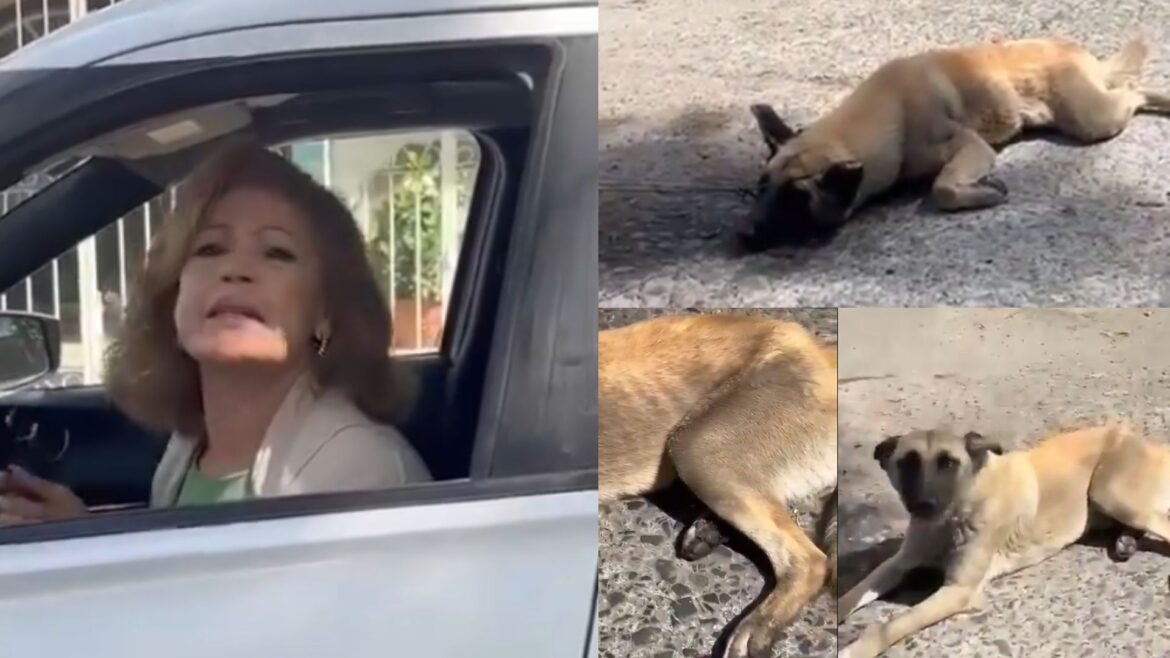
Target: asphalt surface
point(654, 604)
point(1015, 375)
point(1084, 226)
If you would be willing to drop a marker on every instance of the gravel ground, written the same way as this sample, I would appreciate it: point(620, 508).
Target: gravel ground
point(653, 604)
point(1012, 374)
point(1084, 226)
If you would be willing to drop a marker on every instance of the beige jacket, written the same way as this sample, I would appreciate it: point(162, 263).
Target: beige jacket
point(314, 444)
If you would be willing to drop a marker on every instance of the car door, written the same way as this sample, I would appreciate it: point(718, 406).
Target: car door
point(500, 561)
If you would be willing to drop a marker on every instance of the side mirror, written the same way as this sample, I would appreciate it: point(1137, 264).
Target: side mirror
point(30, 348)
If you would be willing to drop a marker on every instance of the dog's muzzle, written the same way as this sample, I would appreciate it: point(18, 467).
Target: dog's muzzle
point(922, 509)
point(756, 230)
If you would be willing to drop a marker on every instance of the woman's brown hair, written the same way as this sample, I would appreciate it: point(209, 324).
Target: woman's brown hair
point(154, 382)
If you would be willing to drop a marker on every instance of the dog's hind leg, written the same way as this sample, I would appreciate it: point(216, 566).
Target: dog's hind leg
point(1132, 485)
point(1132, 509)
point(1125, 66)
point(1157, 524)
point(1087, 110)
point(1154, 522)
point(747, 457)
point(965, 181)
point(800, 569)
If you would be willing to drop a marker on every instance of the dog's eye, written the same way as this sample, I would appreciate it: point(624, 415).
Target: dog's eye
point(763, 182)
point(946, 462)
point(910, 463)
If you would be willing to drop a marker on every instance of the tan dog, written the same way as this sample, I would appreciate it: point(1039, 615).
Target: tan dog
point(744, 411)
point(938, 115)
point(980, 515)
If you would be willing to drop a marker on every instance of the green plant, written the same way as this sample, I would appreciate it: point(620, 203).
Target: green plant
point(413, 211)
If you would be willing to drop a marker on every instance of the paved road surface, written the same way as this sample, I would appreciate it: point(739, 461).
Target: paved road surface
point(1085, 226)
point(1010, 374)
point(653, 604)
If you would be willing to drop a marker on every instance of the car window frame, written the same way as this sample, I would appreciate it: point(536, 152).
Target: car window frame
point(139, 520)
point(513, 438)
point(438, 492)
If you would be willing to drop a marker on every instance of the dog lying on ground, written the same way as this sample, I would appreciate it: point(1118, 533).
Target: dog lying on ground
point(937, 115)
point(743, 410)
point(980, 513)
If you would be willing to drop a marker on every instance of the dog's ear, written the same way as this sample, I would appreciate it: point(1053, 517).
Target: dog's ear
point(978, 447)
point(883, 450)
point(842, 181)
point(772, 127)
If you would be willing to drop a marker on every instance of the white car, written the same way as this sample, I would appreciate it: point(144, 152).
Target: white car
point(498, 558)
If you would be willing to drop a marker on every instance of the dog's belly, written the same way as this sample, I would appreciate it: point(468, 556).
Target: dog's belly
point(1063, 517)
point(811, 473)
point(1001, 125)
point(1006, 563)
point(999, 104)
point(924, 160)
point(1038, 539)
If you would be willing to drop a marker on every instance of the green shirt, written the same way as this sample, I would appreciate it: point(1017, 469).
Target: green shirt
point(198, 489)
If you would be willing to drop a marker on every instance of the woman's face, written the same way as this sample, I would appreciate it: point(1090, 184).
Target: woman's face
point(250, 289)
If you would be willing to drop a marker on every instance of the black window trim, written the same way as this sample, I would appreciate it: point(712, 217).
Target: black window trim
point(507, 445)
point(35, 138)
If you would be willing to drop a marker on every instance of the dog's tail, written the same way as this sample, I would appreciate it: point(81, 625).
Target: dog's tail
point(826, 536)
point(1126, 64)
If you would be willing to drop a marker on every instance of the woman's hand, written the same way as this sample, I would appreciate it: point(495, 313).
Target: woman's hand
point(26, 498)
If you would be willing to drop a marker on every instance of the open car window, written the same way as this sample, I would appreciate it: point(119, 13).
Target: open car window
point(434, 167)
point(409, 191)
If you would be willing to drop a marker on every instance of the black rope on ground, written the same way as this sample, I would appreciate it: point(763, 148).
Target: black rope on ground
point(747, 194)
point(744, 192)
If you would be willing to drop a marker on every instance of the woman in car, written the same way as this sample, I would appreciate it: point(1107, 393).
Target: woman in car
point(258, 337)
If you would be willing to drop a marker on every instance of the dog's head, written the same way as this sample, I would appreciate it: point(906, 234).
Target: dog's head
point(931, 468)
point(803, 194)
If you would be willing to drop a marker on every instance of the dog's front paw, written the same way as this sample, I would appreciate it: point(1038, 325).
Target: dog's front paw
point(700, 538)
point(856, 650)
point(844, 607)
point(755, 637)
point(993, 183)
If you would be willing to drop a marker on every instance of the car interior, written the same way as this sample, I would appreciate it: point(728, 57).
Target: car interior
point(74, 435)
